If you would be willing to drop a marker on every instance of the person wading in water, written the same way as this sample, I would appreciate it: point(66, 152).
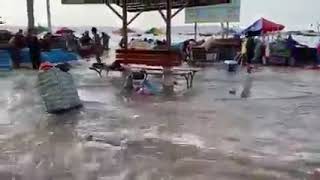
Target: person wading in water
point(97, 47)
point(105, 40)
point(34, 48)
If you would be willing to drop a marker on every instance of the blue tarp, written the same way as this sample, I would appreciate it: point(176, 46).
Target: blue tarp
point(54, 56)
point(25, 56)
point(58, 56)
point(5, 60)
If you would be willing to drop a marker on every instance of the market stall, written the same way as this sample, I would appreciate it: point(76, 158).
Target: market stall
point(213, 50)
point(263, 26)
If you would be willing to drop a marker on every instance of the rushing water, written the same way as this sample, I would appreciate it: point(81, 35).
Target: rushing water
point(268, 129)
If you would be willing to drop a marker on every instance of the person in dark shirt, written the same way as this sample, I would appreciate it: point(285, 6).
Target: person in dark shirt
point(46, 42)
point(97, 47)
point(85, 39)
point(105, 40)
point(292, 45)
point(34, 49)
point(250, 46)
point(186, 49)
point(17, 42)
point(318, 54)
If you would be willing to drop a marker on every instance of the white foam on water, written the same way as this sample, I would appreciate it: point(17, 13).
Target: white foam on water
point(99, 145)
point(188, 139)
point(179, 139)
point(122, 176)
point(4, 117)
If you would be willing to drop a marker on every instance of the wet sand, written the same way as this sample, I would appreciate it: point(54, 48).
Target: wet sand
point(268, 129)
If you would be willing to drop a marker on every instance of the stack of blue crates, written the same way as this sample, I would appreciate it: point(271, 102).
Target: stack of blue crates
point(5, 60)
point(25, 56)
point(54, 56)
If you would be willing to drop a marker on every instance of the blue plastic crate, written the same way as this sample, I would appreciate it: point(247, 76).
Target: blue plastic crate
point(5, 60)
point(25, 56)
point(58, 56)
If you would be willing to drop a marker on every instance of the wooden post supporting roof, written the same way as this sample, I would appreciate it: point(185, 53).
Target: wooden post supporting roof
point(125, 24)
point(143, 5)
point(153, 5)
point(114, 11)
point(169, 9)
point(179, 10)
point(134, 17)
point(195, 30)
point(162, 15)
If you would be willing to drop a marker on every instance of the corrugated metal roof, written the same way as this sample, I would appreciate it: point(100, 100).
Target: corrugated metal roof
point(151, 5)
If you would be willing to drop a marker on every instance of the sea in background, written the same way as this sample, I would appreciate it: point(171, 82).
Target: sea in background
point(179, 33)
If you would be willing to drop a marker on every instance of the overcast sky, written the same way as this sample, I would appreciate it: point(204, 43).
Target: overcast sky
point(293, 13)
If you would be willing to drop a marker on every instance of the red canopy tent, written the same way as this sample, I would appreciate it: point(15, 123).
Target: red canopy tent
point(263, 26)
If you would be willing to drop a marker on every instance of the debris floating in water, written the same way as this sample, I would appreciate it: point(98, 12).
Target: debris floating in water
point(233, 91)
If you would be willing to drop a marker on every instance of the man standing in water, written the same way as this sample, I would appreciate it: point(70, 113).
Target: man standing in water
point(17, 42)
point(34, 49)
point(318, 55)
point(97, 47)
point(105, 40)
point(250, 45)
point(85, 39)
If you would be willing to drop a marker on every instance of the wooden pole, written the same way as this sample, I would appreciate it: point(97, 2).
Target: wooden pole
point(114, 11)
point(227, 33)
point(177, 12)
point(195, 31)
point(168, 80)
point(169, 8)
point(134, 17)
point(125, 24)
point(49, 16)
point(162, 15)
point(30, 11)
point(222, 30)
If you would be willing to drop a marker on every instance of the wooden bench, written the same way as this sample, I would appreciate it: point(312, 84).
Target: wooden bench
point(187, 73)
point(149, 59)
point(162, 58)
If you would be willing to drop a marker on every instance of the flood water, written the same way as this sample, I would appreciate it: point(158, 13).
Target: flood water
point(268, 129)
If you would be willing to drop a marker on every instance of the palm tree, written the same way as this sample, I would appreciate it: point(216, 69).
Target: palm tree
point(30, 12)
